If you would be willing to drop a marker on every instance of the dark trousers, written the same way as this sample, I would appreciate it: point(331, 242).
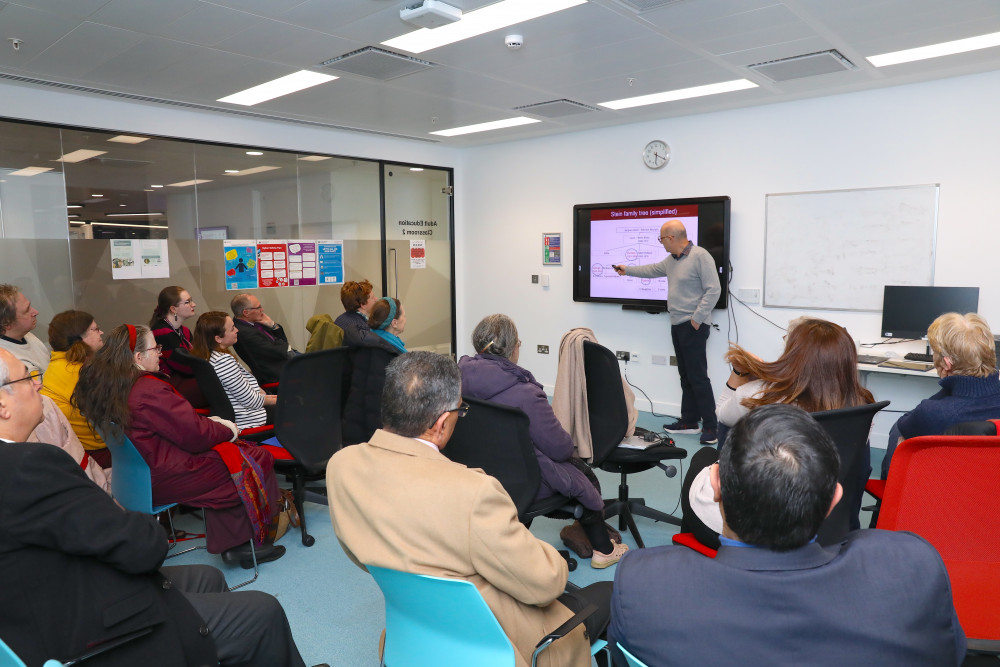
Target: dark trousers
point(697, 399)
point(249, 627)
point(599, 594)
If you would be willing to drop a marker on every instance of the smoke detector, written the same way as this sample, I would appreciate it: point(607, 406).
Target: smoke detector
point(430, 14)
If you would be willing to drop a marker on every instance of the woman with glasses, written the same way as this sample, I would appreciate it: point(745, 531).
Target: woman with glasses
point(74, 337)
point(190, 457)
point(174, 306)
point(493, 375)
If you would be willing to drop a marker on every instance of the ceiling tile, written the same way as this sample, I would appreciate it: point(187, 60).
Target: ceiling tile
point(331, 15)
point(80, 8)
point(134, 67)
point(84, 48)
point(141, 15)
point(268, 8)
point(206, 24)
point(268, 38)
point(38, 29)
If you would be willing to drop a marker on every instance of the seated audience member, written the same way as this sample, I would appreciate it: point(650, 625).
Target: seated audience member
point(323, 333)
point(190, 457)
point(74, 337)
point(213, 335)
point(387, 321)
point(17, 319)
point(358, 300)
point(262, 343)
point(174, 306)
point(772, 595)
point(87, 572)
point(818, 370)
point(965, 358)
point(397, 502)
point(55, 430)
point(493, 375)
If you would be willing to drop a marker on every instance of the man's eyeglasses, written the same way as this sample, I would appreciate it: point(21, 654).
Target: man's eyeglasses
point(668, 236)
point(462, 410)
point(36, 377)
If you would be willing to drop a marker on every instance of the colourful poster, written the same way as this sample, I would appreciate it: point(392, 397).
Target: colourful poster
point(272, 262)
point(331, 262)
point(241, 264)
point(302, 264)
point(552, 249)
point(418, 254)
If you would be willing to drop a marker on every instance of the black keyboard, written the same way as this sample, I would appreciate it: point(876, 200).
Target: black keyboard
point(918, 356)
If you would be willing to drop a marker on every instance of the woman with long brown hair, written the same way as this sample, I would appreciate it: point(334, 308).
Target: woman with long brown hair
point(192, 459)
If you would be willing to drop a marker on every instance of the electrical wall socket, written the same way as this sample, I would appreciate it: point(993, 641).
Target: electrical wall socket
point(543, 349)
point(534, 278)
point(659, 360)
point(622, 355)
point(749, 295)
point(635, 357)
point(673, 360)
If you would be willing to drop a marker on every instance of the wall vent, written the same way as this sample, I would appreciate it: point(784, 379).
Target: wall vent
point(376, 63)
point(799, 67)
point(556, 108)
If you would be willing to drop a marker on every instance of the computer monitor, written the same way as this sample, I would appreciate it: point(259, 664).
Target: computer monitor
point(908, 310)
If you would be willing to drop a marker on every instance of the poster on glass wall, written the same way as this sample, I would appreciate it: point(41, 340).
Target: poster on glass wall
point(272, 260)
point(132, 259)
point(331, 262)
point(302, 263)
point(241, 264)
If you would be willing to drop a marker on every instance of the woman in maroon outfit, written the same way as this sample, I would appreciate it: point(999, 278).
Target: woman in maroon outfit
point(122, 387)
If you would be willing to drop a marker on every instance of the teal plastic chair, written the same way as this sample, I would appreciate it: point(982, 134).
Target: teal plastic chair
point(632, 660)
point(8, 659)
point(132, 486)
point(438, 622)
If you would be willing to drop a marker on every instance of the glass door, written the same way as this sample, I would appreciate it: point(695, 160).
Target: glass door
point(419, 253)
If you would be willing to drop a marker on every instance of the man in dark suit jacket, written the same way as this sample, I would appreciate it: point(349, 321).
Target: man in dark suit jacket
point(261, 342)
point(772, 595)
point(79, 573)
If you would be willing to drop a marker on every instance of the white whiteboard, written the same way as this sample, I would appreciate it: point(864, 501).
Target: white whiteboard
point(836, 249)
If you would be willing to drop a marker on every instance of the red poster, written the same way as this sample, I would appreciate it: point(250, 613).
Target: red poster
point(272, 264)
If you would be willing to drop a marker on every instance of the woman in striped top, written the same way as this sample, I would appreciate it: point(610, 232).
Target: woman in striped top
point(213, 335)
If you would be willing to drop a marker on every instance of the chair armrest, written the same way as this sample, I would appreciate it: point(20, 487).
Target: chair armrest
point(875, 487)
point(573, 509)
point(204, 412)
point(257, 433)
point(575, 620)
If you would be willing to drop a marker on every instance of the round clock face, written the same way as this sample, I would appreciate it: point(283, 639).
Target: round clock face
point(656, 154)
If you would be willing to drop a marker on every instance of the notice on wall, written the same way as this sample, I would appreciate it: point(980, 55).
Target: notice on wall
point(551, 248)
point(132, 259)
point(302, 263)
point(272, 262)
point(241, 264)
point(418, 254)
point(330, 255)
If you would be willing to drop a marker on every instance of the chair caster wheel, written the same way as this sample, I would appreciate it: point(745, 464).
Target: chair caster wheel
point(571, 564)
point(308, 540)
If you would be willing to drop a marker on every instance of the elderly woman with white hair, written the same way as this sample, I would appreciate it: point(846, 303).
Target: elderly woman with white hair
point(965, 359)
point(493, 375)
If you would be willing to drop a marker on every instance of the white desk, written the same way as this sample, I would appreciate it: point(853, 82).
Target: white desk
point(864, 369)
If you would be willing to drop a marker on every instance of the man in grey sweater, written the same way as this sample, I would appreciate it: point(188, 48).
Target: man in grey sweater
point(692, 291)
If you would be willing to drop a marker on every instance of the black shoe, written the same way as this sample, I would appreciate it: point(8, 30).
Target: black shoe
point(242, 554)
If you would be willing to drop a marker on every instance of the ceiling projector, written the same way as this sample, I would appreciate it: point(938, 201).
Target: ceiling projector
point(431, 14)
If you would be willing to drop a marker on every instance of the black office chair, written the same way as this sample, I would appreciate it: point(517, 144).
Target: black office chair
point(218, 401)
point(849, 428)
point(363, 405)
point(608, 415)
point(307, 421)
point(495, 437)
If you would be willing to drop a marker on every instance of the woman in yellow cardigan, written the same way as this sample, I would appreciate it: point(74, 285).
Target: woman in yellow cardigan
point(74, 337)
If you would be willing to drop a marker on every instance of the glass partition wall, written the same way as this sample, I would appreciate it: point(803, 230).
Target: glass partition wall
point(65, 194)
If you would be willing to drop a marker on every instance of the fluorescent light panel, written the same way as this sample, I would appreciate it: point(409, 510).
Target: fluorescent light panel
point(128, 139)
point(124, 224)
point(285, 85)
point(30, 171)
point(184, 184)
point(486, 127)
point(314, 158)
point(152, 214)
point(252, 170)
point(489, 18)
point(80, 155)
point(936, 50)
point(681, 94)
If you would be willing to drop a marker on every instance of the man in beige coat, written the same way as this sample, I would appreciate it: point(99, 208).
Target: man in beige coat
point(397, 502)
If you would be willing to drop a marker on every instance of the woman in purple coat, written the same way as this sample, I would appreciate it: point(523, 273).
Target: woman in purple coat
point(122, 388)
point(493, 375)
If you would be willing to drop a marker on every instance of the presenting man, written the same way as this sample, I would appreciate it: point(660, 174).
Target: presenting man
point(692, 291)
point(78, 573)
point(772, 595)
point(261, 341)
point(17, 319)
point(397, 502)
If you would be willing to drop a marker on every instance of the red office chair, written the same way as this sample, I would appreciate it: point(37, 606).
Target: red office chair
point(944, 488)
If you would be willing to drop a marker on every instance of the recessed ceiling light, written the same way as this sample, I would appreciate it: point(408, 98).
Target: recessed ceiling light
point(314, 158)
point(416, 168)
point(232, 171)
point(125, 224)
point(255, 152)
point(147, 190)
point(489, 18)
point(73, 215)
point(74, 205)
point(193, 181)
point(128, 139)
point(30, 171)
point(936, 50)
point(123, 204)
point(252, 170)
point(156, 186)
point(485, 127)
point(95, 196)
point(282, 86)
point(80, 155)
point(681, 94)
point(78, 222)
point(151, 214)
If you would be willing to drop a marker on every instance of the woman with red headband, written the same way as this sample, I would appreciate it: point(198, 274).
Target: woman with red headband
point(192, 459)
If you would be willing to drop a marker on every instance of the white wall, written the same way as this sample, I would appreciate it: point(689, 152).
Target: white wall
point(940, 132)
